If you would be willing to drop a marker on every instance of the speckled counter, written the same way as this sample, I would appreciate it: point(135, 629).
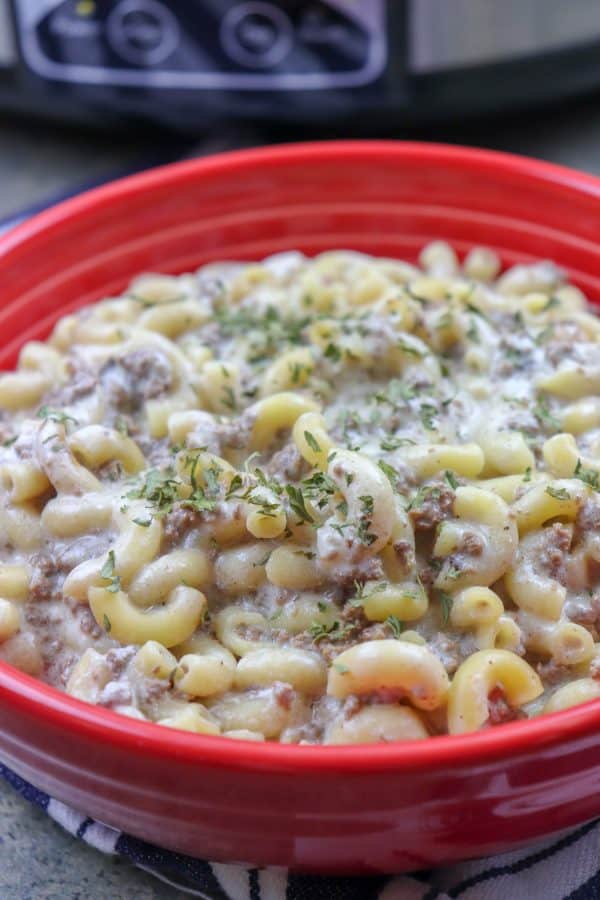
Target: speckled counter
point(38, 861)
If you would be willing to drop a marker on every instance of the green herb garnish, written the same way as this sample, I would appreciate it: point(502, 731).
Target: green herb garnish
point(312, 442)
point(395, 443)
point(55, 415)
point(451, 479)
point(389, 472)
point(297, 503)
point(395, 625)
point(332, 352)
point(558, 493)
point(542, 413)
point(107, 573)
point(364, 523)
point(333, 631)
point(446, 602)
point(589, 476)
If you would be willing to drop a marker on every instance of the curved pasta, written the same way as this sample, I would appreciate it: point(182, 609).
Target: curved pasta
point(173, 319)
point(242, 568)
point(190, 567)
point(563, 460)
point(530, 588)
point(311, 439)
point(583, 415)
point(480, 609)
point(20, 526)
point(207, 671)
point(381, 722)
point(170, 623)
point(478, 676)
point(68, 515)
point(14, 581)
point(305, 671)
point(23, 481)
point(412, 670)
point(294, 567)
point(10, 620)
point(20, 390)
point(429, 459)
point(191, 717)
point(485, 516)
point(370, 514)
point(506, 452)
point(266, 518)
point(276, 414)
point(303, 610)
point(233, 619)
point(580, 691)
point(257, 711)
point(96, 445)
point(136, 545)
point(155, 661)
point(59, 465)
point(406, 600)
point(292, 369)
point(572, 382)
point(549, 500)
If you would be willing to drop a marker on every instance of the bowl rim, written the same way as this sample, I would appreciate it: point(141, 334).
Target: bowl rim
point(28, 695)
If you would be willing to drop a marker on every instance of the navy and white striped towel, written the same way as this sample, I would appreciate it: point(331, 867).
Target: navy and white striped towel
point(565, 868)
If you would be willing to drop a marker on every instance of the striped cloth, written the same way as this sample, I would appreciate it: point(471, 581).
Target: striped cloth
point(563, 868)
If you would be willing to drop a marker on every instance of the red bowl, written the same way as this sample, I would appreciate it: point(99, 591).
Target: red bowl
point(318, 809)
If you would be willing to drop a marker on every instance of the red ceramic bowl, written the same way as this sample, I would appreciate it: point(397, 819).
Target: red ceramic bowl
point(321, 809)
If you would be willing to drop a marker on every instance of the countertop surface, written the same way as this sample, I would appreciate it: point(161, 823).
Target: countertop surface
point(39, 162)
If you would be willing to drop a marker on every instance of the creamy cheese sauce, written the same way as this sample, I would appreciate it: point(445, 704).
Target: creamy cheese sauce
point(331, 500)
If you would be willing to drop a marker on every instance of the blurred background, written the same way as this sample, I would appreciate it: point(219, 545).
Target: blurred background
point(92, 90)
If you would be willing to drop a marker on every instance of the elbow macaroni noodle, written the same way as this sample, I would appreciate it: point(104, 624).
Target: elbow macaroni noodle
point(336, 500)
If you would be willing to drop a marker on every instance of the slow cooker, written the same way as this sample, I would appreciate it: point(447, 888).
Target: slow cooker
point(187, 63)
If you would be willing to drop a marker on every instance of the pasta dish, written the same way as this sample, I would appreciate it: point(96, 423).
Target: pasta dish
point(333, 500)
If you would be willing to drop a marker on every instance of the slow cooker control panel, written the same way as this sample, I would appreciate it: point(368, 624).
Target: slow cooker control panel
point(195, 44)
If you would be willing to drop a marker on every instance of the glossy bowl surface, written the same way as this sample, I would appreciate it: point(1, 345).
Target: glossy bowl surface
point(321, 809)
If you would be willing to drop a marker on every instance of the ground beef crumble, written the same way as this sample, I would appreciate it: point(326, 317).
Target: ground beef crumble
point(437, 505)
point(47, 576)
point(115, 693)
point(287, 464)
point(87, 622)
point(594, 670)
point(150, 373)
point(82, 382)
point(472, 544)
point(118, 658)
point(588, 519)
point(235, 434)
point(405, 555)
point(552, 672)
point(499, 709)
point(352, 706)
point(554, 554)
point(449, 650)
point(284, 694)
point(178, 523)
point(139, 376)
point(369, 569)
